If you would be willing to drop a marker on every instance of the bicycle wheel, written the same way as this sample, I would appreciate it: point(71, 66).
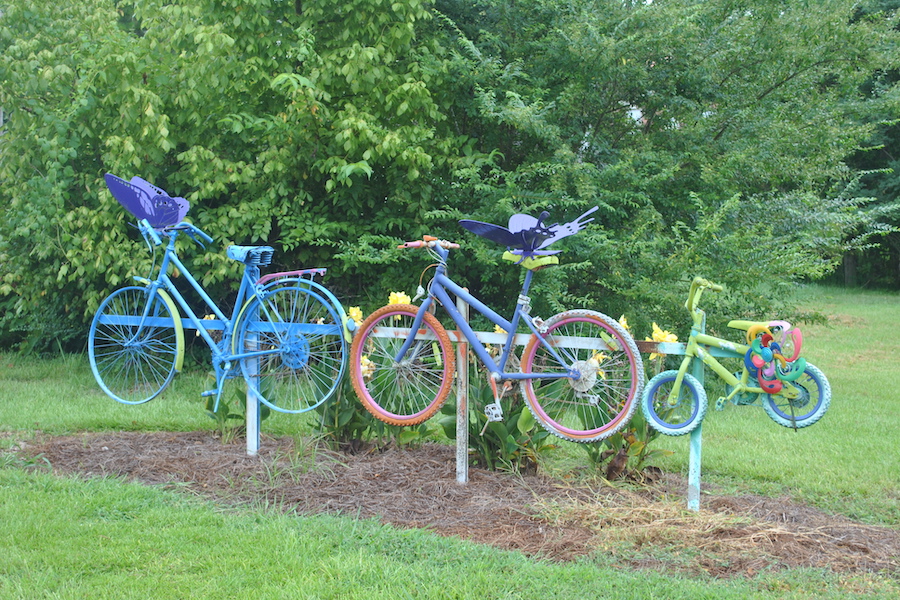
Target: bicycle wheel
point(409, 391)
point(602, 400)
point(293, 349)
point(134, 348)
point(812, 398)
point(685, 414)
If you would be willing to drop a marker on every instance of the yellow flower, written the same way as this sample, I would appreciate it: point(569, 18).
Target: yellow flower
point(207, 318)
point(398, 298)
point(367, 367)
point(356, 315)
point(596, 360)
point(660, 335)
point(498, 329)
point(624, 323)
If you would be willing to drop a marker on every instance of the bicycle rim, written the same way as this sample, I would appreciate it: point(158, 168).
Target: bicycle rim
point(808, 407)
point(602, 400)
point(299, 352)
point(686, 410)
point(133, 357)
point(412, 390)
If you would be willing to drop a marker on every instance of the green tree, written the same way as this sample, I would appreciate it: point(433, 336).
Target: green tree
point(282, 123)
point(714, 136)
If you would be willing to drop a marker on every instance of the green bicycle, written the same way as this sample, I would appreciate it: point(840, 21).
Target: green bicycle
point(793, 392)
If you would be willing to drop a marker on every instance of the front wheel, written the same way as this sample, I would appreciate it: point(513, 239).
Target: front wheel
point(292, 349)
point(408, 389)
point(609, 375)
point(800, 403)
point(133, 345)
point(670, 411)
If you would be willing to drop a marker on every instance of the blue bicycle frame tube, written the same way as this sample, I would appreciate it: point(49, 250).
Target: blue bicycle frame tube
point(438, 289)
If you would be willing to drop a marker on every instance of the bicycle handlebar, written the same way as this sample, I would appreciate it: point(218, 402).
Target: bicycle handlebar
point(705, 283)
point(429, 242)
point(148, 230)
point(697, 286)
point(191, 230)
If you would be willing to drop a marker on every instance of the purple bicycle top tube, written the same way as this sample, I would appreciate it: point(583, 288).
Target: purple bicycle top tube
point(146, 201)
point(527, 236)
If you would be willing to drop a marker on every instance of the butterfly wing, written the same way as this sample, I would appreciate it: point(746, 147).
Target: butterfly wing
point(495, 233)
point(146, 201)
point(557, 231)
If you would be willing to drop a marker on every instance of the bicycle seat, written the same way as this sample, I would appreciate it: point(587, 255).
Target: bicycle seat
point(745, 325)
point(532, 264)
point(146, 201)
point(251, 255)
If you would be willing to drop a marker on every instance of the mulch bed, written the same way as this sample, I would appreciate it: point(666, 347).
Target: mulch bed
point(539, 516)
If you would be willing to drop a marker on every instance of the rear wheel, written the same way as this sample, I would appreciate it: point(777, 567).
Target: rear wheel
point(802, 402)
point(295, 346)
point(411, 390)
point(601, 400)
point(133, 347)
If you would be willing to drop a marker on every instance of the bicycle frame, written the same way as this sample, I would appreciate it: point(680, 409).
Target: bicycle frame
point(698, 343)
point(438, 290)
point(221, 358)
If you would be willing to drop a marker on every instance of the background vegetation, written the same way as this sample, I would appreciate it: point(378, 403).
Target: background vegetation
point(722, 138)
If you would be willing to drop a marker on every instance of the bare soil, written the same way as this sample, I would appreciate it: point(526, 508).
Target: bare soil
point(637, 526)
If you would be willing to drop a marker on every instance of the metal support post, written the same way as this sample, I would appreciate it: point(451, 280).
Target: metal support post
point(696, 451)
point(462, 400)
point(252, 416)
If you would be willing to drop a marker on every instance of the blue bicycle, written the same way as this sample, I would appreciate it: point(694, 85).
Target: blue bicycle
point(287, 334)
point(580, 371)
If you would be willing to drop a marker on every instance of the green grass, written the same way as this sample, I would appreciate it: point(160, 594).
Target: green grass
point(60, 396)
point(103, 538)
point(65, 538)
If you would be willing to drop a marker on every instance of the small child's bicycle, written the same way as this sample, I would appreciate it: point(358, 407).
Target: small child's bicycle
point(287, 334)
point(580, 371)
point(793, 392)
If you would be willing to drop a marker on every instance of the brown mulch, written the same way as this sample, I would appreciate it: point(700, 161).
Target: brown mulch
point(643, 526)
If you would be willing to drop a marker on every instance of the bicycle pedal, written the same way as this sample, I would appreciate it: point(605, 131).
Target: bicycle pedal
point(493, 412)
point(208, 393)
point(720, 403)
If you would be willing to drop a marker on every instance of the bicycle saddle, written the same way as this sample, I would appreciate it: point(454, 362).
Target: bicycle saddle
point(146, 201)
point(527, 236)
point(251, 255)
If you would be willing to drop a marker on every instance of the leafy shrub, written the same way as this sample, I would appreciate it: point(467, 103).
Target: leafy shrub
point(514, 444)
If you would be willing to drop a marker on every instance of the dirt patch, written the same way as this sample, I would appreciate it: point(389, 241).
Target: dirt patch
point(646, 527)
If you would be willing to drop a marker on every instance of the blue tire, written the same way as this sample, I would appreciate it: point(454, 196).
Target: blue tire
point(134, 348)
point(812, 399)
point(680, 417)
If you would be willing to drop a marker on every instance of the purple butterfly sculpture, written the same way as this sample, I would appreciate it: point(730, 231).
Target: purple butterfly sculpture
point(146, 201)
point(527, 236)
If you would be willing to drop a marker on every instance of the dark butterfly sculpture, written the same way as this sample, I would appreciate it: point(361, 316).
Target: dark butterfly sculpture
point(146, 201)
point(527, 236)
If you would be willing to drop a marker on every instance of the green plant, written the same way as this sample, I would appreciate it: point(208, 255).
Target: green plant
point(628, 451)
point(223, 414)
point(515, 443)
point(346, 424)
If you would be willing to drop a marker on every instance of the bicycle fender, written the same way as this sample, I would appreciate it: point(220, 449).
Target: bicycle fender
point(176, 316)
point(348, 324)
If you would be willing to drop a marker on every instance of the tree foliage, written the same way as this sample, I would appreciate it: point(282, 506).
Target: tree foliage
point(714, 135)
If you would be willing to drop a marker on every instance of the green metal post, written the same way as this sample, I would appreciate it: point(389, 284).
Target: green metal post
point(696, 450)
